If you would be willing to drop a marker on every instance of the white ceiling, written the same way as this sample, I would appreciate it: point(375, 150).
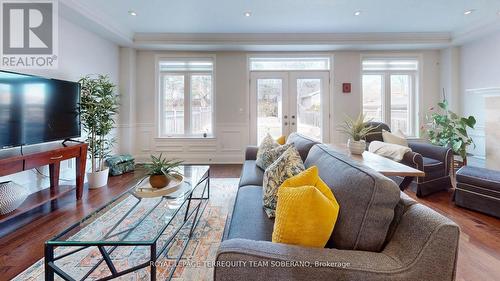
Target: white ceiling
point(288, 16)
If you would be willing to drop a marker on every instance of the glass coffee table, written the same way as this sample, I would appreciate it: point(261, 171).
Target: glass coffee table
point(150, 226)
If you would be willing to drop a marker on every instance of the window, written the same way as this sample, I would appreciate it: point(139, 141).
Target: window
point(186, 97)
point(389, 87)
point(277, 64)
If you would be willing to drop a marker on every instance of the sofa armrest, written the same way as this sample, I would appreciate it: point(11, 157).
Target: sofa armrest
point(428, 150)
point(414, 160)
point(241, 259)
point(426, 243)
point(251, 152)
point(423, 247)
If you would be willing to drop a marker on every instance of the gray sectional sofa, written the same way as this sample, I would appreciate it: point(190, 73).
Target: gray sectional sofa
point(381, 234)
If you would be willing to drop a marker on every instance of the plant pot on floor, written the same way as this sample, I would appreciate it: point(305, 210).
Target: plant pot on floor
point(356, 147)
point(159, 181)
point(98, 179)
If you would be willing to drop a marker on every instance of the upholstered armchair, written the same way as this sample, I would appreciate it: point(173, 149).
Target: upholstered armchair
point(434, 160)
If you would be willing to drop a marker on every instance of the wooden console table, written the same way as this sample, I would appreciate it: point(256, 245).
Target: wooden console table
point(12, 161)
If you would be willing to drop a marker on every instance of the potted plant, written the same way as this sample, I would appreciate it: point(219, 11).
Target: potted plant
point(446, 128)
point(357, 130)
point(161, 170)
point(98, 109)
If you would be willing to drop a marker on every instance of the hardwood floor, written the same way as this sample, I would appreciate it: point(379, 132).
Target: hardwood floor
point(21, 246)
point(479, 246)
point(478, 259)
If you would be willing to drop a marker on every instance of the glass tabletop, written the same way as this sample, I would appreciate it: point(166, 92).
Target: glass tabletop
point(130, 219)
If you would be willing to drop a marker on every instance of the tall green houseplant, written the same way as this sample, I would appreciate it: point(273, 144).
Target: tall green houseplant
point(98, 108)
point(450, 130)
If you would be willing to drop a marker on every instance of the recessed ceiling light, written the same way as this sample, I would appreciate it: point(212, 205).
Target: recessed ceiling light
point(247, 14)
point(357, 13)
point(468, 12)
point(498, 13)
point(132, 13)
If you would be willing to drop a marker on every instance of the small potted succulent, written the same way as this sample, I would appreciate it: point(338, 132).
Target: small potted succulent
point(357, 130)
point(161, 170)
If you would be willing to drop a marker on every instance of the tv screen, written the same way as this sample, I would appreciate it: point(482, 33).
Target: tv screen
point(35, 110)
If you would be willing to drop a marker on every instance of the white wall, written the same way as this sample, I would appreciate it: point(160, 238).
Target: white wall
point(347, 68)
point(450, 76)
point(80, 52)
point(232, 104)
point(480, 75)
point(231, 107)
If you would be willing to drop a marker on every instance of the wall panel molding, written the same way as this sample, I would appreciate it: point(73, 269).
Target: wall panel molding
point(227, 146)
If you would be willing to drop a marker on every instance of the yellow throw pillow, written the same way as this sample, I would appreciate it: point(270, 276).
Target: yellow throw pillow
point(306, 211)
point(281, 140)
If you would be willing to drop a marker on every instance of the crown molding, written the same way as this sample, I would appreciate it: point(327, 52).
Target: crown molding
point(77, 12)
point(480, 30)
point(379, 38)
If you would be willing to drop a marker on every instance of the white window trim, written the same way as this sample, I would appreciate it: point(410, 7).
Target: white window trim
point(187, 103)
point(415, 104)
point(329, 56)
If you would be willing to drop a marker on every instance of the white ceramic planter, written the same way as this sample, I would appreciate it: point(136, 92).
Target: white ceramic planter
point(98, 179)
point(356, 147)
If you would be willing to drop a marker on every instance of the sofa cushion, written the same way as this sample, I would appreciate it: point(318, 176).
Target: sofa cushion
point(480, 177)
point(302, 143)
point(249, 220)
point(251, 174)
point(432, 165)
point(367, 200)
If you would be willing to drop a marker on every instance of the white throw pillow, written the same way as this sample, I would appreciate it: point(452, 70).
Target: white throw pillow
point(392, 151)
point(394, 139)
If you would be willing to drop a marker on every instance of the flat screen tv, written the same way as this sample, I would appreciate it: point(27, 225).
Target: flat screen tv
point(36, 110)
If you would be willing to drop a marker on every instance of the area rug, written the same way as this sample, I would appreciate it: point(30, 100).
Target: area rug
point(195, 264)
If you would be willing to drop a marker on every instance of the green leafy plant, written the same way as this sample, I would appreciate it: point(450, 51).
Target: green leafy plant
point(98, 108)
point(356, 129)
point(161, 166)
point(446, 128)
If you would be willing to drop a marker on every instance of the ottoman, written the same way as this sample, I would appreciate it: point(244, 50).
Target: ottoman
point(478, 189)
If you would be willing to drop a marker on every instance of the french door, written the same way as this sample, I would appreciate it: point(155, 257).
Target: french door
point(289, 101)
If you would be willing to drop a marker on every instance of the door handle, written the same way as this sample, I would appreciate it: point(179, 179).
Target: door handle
point(293, 116)
point(293, 123)
point(286, 123)
point(285, 116)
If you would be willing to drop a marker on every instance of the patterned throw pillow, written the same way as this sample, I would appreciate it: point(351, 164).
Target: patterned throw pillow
point(267, 144)
point(268, 157)
point(287, 165)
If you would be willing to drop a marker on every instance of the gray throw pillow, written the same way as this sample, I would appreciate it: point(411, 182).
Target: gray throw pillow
point(287, 165)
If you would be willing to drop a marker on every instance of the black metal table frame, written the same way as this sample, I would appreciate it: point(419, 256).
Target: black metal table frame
point(51, 268)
